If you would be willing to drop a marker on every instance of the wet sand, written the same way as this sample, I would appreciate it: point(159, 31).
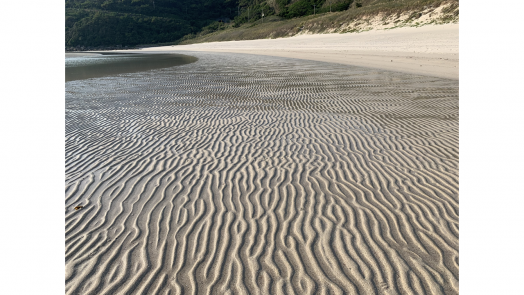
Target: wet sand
point(249, 174)
point(85, 65)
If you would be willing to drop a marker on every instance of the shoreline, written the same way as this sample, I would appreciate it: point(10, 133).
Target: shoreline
point(431, 50)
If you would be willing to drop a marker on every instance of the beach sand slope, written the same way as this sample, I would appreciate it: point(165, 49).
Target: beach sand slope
point(431, 50)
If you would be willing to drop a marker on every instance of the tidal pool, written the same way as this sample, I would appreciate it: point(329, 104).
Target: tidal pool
point(84, 65)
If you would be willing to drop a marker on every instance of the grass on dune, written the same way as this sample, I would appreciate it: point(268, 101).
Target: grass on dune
point(277, 27)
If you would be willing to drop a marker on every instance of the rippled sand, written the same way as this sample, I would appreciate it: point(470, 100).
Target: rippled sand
point(244, 174)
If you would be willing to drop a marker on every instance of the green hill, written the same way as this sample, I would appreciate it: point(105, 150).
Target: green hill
point(94, 23)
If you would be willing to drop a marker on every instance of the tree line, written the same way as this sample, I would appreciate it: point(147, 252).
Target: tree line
point(132, 22)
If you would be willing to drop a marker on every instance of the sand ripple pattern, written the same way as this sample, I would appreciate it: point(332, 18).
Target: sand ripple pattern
point(245, 174)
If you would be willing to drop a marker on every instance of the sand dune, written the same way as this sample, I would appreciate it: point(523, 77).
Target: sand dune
point(245, 174)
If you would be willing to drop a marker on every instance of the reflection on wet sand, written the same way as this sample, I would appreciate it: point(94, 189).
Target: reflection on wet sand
point(84, 65)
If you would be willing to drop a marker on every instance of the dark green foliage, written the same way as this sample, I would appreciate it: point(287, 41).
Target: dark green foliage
point(131, 22)
point(306, 7)
point(338, 6)
point(281, 4)
point(95, 28)
point(300, 8)
point(252, 13)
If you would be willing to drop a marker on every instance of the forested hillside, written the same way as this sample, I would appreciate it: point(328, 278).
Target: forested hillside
point(131, 22)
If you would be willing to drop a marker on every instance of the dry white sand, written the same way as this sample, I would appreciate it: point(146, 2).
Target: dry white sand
point(249, 174)
point(428, 50)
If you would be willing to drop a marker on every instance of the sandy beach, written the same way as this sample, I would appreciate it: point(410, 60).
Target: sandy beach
point(431, 50)
point(252, 174)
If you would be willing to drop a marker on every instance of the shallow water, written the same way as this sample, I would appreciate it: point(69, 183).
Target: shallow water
point(84, 65)
point(245, 174)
